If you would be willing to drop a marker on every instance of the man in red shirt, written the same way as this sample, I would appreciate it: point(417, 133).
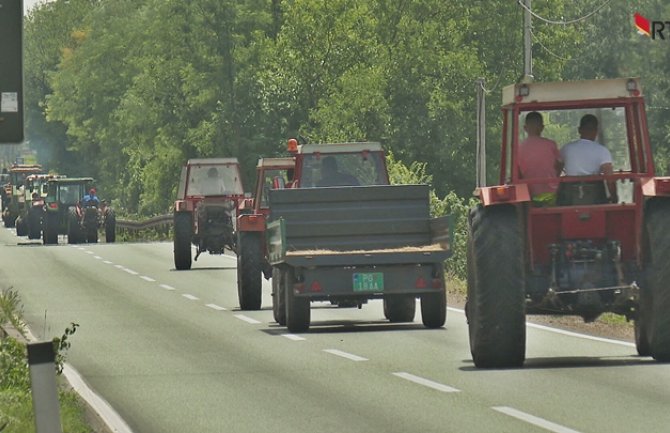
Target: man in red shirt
point(539, 158)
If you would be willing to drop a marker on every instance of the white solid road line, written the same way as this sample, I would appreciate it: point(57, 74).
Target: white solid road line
point(247, 319)
point(166, 287)
point(214, 307)
point(563, 332)
point(425, 382)
point(191, 297)
point(149, 279)
point(346, 355)
point(293, 337)
point(101, 406)
point(539, 422)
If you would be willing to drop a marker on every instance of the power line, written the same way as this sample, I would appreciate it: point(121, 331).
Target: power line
point(563, 23)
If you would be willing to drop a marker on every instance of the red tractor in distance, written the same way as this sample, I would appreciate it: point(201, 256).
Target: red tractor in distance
point(204, 213)
point(592, 251)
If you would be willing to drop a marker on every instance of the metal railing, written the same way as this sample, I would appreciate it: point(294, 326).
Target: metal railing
point(157, 221)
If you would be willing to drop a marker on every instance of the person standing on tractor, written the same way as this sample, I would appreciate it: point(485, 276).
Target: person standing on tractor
point(539, 158)
point(587, 157)
point(91, 198)
point(331, 176)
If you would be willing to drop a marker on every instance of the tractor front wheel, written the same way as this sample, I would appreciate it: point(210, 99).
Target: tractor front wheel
point(50, 230)
point(73, 229)
point(249, 270)
point(496, 298)
point(110, 227)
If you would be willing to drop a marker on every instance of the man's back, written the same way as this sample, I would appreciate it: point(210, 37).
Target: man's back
point(537, 160)
point(584, 157)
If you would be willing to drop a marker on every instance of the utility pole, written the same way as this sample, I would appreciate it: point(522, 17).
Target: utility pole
point(527, 43)
point(481, 133)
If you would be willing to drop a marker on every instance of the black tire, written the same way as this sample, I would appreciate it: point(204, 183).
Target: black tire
point(183, 231)
point(496, 295)
point(34, 224)
point(249, 270)
point(657, 223)
point(434, 309)
point(50, 231)
point(92, 235)
point(278, 297)
point(21, 226)
point(400, 308)
point(73, 229)
point(298, 313)
point(110, 227)
point(8, 220)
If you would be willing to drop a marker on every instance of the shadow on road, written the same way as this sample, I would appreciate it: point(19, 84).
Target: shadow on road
point(573, 362)
point(340, 326)
point(211, 268)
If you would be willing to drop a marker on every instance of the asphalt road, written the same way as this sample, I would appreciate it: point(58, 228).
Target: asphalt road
point(171, 352)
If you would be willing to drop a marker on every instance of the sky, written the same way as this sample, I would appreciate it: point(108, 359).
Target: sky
point(28, 4)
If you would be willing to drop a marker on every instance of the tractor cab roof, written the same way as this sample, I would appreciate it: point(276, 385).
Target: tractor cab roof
point(71, 180)
point(212, 161)
point(340, 147)
point(281, 162)
point(565, 91)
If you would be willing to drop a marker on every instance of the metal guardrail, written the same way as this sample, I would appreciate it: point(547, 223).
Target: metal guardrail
point(157, 221)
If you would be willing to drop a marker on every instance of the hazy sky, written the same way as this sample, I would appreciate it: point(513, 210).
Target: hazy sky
point(28, 4)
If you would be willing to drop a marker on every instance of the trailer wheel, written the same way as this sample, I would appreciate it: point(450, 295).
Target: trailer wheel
point(399, 308)
point(110, 227)
point(249, 270)
point(73, 229)
point(496, 296)
point(298, 313)
point(50, 231)
point(658, 279)
point(182, 240)
point(278, 297)
point(434, 309)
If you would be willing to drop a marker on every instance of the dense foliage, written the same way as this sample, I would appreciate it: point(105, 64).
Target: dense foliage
point(126, 90)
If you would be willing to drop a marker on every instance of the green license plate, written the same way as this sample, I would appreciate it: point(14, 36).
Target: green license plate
point(369, 282)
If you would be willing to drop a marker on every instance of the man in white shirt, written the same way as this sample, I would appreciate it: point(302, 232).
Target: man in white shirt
point(587, 157)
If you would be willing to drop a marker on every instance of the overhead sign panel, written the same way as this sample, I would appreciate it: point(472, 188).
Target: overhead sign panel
point(11, 71)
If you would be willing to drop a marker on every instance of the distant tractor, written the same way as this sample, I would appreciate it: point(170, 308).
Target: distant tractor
point(14, 199)
point(205, 209)
point(602, 246)
point(66, 214)
point(35, 192)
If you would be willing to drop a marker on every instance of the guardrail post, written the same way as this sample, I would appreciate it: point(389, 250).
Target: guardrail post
point(41, 359)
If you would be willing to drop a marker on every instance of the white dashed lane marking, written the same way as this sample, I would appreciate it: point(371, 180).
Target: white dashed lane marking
point(215, 307)
point(349, 356)
point(293, 337)
point(191, 297)
point(247, 319)
point(130, 271)
point(425, 382)
point(531, 419)
point(149, 279)
point(166, 287)
point(107, 262)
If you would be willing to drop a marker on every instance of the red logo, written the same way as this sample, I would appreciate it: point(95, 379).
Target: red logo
point(642, 24)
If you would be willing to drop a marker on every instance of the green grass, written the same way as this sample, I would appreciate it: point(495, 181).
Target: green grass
point(16, 411)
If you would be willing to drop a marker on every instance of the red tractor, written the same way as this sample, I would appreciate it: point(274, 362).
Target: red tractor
point(204, 213)
point(594, 250)
point(253, 213)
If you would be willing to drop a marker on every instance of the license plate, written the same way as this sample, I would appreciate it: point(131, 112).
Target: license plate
point(369, 282)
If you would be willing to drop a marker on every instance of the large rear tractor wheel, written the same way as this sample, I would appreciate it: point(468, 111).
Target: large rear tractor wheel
point(183, 231)
point(656, 320)
point(74, 235)
point(110, 227)
point(34, 224)
point(496, 299)
point(642, 322)
point(400, 308)
point(249, 270)
point(298, 313)
point(50, 230)
point(278, 297)
point(434, 309)
point(21, 226)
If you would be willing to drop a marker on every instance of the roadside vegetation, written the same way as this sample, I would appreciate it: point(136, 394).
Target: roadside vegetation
point(16, 407)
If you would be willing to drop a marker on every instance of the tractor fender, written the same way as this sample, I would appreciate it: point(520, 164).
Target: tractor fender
point(503, 194)
point(251, 223)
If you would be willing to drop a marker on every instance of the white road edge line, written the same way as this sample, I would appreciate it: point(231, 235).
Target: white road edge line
point(166, 287)
point(214, 307)
point(293, 337)
point(191, 297)
point(106, 412)
point(247, 319)
point(149, 279)
point(346, 355)
point(425, 382)
point(536, 421)
point(567, 333)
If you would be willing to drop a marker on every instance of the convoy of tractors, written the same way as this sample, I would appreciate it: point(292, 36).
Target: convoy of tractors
point(42, 205)
point(325, 225)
